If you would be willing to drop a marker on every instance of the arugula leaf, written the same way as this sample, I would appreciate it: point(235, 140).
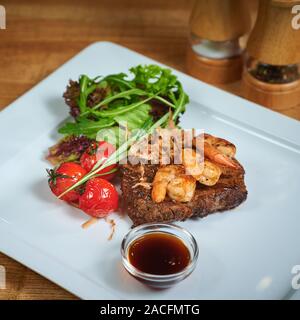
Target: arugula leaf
point(125, 95)
point(86, 127)
point(135, 119)
point(113, 112)
point(132, 120)
point(154, 79)
point(119, 82)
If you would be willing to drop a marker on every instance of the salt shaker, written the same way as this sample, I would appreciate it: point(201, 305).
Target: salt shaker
point(215, 53)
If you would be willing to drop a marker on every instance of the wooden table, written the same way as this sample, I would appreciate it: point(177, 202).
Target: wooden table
point(41, 35)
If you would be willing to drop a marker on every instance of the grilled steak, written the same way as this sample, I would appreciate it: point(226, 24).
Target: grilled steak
point(228, 193)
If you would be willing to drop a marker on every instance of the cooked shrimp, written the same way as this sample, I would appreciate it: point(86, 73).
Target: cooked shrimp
point(171, 180)
point(192, 161)
point(210, 175)
point(218, 150)
point(161, 180)
point(182, 188)
point(215, 155)
point(224, 146)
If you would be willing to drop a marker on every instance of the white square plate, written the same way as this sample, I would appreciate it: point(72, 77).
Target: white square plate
point(244, 253)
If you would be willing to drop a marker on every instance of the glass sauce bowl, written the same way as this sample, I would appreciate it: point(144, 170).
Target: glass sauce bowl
point(160, 281)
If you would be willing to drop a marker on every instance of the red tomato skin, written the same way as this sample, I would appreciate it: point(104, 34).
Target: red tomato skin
point(88, 158)
point(98, 150)
point(60, 184)
point(109, 176)
point(99, 198)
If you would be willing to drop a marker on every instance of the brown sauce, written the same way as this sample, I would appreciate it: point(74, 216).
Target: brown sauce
point(159, 253)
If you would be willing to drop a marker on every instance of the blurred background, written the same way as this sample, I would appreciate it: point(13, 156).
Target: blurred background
point(41, 35)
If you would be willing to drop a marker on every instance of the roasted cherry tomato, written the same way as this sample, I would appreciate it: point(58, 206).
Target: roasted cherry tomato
point(95, 152)
point(99, 198)
point(63, 177)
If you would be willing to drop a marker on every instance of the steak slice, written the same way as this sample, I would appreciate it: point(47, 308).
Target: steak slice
point(228, 193)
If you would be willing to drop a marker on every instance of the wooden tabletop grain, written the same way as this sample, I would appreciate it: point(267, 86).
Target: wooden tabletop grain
point(41, 35)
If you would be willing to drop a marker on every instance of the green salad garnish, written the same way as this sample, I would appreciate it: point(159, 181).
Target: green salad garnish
point(126, 106)
point(147, 93)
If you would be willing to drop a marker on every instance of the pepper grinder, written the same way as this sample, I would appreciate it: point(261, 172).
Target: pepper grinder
point(271, 75)
point(215, 53)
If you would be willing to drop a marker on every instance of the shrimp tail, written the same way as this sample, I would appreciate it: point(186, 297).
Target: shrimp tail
point(214, 155)
point(224, 160)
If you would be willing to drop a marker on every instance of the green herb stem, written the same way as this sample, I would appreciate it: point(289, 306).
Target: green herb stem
point(117, 155)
